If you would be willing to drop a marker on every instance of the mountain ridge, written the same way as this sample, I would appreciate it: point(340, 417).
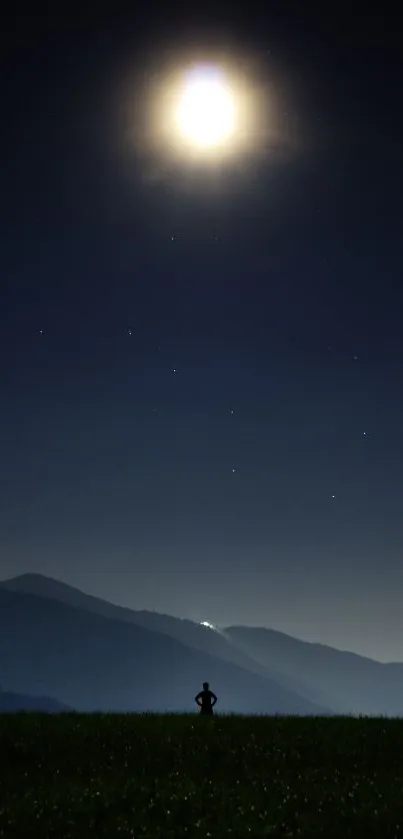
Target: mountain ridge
point(187, 631)
point(339, 681)
point(36, 577)
point(93, 663)
point(12, 703)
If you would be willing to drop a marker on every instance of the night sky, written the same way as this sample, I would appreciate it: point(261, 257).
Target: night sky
point(201, 395)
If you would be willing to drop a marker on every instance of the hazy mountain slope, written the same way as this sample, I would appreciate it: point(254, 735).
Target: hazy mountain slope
point(355, 683)
point(341, 681)
point(13, 702)
point(89, 662)
point(187, 632)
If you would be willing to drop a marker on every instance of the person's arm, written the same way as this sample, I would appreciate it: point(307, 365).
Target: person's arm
point(197, 699)
point(214, 699)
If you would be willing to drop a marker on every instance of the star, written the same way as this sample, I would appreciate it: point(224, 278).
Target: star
point(233, 470)
point(231, 410)
point(175, 370)
point(129, 332)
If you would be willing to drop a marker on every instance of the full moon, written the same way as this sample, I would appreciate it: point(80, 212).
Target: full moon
point(206, 112)
point(209, 113)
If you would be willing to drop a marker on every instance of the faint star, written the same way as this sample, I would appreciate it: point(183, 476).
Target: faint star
point(174, 370)
point(129, 332)
point(40, 331)
point(233, 470)
point(355, 358)
point(231, 410)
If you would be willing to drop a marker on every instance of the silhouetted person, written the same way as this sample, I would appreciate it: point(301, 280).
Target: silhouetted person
point(206, 700)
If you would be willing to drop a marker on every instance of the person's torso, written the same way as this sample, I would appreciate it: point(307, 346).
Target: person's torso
point(206, 698)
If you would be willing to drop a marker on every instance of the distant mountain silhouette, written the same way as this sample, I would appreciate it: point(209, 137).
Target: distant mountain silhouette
point(13, 702)
point(95, 663)
point(336, 680)
point(352, 683)
point(216, 643)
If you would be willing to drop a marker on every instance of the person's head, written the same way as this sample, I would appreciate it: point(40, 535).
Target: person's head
point(205, 685)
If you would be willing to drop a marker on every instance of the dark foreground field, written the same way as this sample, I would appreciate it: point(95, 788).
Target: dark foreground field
point(180, 776)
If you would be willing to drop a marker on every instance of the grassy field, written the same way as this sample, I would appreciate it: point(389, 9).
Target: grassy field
point(179, 776)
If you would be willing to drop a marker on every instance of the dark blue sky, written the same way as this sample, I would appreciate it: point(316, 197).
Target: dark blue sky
point(201, 399)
